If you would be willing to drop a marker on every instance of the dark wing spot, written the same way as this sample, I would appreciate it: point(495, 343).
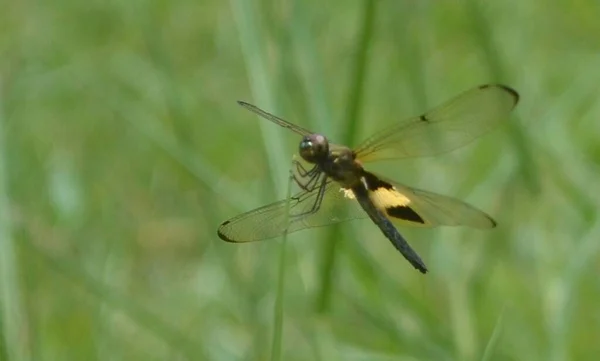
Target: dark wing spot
point(222, 235)
point(405, 213)
point(423, 118)
point(374, 183)
point(510, 90)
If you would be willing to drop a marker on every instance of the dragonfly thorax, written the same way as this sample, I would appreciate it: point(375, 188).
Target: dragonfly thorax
point(314, 148)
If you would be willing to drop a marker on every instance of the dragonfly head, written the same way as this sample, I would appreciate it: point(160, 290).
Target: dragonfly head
point(314, 148)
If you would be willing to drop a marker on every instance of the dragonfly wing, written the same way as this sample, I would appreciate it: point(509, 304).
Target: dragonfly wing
point(270, 221)
point(405, 205)
point(275, 119)
point(440, 210)
point(445, 128)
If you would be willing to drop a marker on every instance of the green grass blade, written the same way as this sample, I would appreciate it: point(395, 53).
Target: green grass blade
point(484, 36)
point(353, 106)
point(252, 42)
point(180, 343)
point(493, 341)
point(13, 316)
point(359, 73)
point(278, 311)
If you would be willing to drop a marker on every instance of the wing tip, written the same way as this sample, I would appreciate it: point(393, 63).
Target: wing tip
point(222, 235)
point(508, 89)
point(491, 223)
point(225, 238)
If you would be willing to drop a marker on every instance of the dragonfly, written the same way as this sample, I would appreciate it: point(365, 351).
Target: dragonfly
point(335, 186)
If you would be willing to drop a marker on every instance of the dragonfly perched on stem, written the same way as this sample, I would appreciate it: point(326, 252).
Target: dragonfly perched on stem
point(337, 177)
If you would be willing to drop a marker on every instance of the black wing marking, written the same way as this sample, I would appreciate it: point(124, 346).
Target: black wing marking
point(439, 210)
point(416, 207)
point(445, 128)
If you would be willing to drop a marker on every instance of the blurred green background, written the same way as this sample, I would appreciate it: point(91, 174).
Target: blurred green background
point(122, 149)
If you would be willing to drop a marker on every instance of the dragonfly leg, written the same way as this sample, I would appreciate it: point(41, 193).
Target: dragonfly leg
point(300, 182)
point(307, 185)
point(300, 168)
point(313, 181)
point(306, 179)
point(302, 172)
point(319, 199)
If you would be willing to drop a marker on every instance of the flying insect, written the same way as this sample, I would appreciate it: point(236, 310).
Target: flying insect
point(337, 177)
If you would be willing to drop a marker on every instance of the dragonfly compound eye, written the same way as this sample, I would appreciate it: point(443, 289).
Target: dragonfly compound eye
point(314, 147)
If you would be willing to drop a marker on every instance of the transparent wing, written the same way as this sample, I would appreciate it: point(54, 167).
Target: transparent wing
point(439, 210)
point(445, 128)
point(275, 119)
point(270, 221)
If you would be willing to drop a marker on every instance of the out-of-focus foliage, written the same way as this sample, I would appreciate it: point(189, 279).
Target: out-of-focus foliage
point(122, 149)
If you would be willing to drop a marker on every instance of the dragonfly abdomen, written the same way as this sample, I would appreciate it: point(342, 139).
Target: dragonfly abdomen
point(361, 194)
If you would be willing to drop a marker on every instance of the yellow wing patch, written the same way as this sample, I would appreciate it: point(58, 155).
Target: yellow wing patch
point(381, 197)
point(385, 198)
point(392, 203)
point(416, 207)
